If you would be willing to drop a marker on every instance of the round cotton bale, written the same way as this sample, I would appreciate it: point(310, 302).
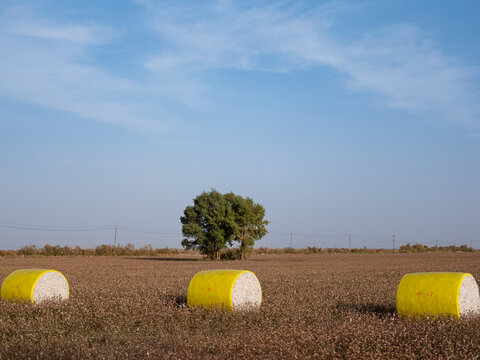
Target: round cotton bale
point(438, 293)
point(233, 290)
point(35, 286)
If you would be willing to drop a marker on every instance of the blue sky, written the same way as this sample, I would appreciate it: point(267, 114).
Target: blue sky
point(338, 116)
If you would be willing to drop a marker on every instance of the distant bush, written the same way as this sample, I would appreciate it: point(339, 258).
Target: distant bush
point(231, 254)
point(8, 253)
point(28, 250)
point(419, 248)
point(226, 254)
point(314, 250)
point(101, 250)
point(265, 250)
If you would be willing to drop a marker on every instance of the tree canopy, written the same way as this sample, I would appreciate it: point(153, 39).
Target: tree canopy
point(249, 221)
point(216, 221)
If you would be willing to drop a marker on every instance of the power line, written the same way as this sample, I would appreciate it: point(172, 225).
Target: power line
point(85, 228)
point(336, 236)
point(162, 232)
point(149, 231)
point(371, 237)
point(51, 228)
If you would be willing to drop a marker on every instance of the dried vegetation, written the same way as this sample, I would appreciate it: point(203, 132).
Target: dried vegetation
point(327, 306)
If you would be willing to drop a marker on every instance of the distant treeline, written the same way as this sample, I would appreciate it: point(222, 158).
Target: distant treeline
point(424, 248)
point(408, 248)
point(227, 254)
point(101, 250)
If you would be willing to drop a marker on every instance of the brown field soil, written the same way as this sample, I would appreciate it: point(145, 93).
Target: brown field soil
point(328, 306)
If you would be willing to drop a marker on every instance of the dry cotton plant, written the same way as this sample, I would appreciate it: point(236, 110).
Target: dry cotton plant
point(327, 306)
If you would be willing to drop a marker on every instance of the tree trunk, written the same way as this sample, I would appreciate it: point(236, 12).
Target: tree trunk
point(242, 246)
point(217, 251)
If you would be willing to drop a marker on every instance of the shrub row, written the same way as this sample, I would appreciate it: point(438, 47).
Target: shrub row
point(408, 248)
point(101, 250)
point(418, 248)
point(227, 254)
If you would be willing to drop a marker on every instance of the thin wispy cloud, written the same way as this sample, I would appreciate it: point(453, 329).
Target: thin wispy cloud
point(21, 22)
point(403, 65)
point(50, 65)
point(400, 63)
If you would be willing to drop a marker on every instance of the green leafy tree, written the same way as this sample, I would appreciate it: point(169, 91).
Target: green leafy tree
point(216, 220)
point(249, 219)
point(209, 225)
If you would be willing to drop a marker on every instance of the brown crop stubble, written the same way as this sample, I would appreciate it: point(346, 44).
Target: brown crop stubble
point(314, 306)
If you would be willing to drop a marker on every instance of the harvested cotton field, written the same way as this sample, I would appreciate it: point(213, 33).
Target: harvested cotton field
point(313, 306)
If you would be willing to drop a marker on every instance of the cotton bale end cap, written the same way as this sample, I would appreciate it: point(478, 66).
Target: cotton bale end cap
point(35, 286)
point(234, 290)
point(438, 293)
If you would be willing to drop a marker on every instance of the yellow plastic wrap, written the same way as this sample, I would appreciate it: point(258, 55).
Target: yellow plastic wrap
point(432, 293)
point(213, 288)
point(19, 285)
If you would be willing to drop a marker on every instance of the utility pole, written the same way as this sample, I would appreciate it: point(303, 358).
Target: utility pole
point(349, 241)
point(319, 244)
point(393, 241)
point(291, 240)
point(436, 243)
point(115, 239)
point(267, 242)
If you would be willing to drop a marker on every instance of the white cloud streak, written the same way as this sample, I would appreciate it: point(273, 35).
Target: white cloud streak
point(44, 30)
point(399, 63)
point(48, 64)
